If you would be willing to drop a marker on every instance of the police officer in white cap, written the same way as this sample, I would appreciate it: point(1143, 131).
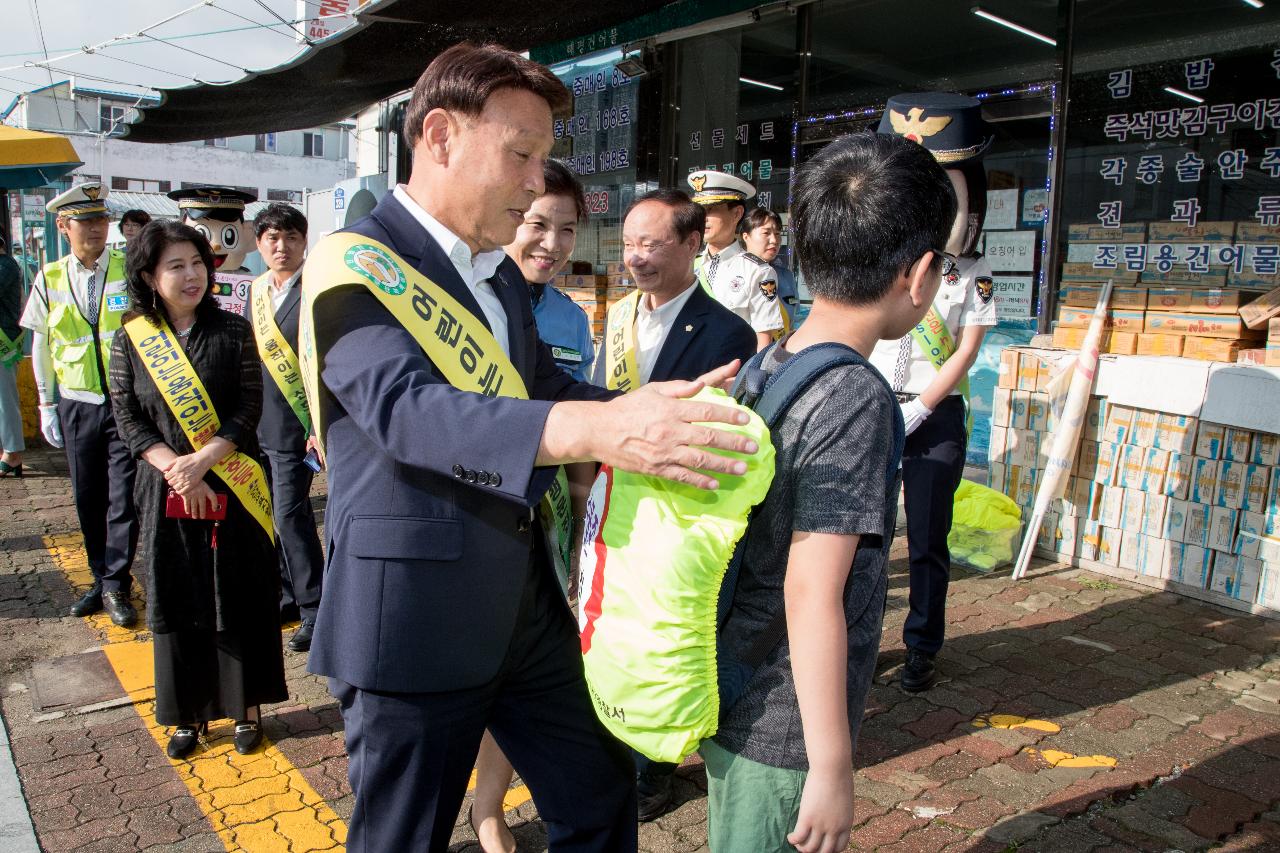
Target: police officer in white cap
point(743, 283)
point(73, 312)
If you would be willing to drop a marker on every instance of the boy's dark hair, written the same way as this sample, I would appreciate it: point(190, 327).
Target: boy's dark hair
point(865, 209)
point(280, 216)
point(756, 217)
point(138, 217)
point(144, 255)
point(687, 217)
point(560, 181)
point(463, 77)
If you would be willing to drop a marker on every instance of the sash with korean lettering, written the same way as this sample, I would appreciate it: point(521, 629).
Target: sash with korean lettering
point(274, 350)
point(458, 344)
point(934, 339)
point(621, 366)
point(185, 395)
point(10, 349)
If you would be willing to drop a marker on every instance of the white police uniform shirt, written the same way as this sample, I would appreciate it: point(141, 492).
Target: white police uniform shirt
point(965, 298)
point(36, 314)
point(744, 284)
point(563, 326)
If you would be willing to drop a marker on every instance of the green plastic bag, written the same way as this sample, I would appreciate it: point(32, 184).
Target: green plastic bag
point(985, 528)
point(654, 554)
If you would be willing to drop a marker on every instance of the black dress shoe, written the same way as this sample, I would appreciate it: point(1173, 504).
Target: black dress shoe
point(301, 639)
point(289, 613)
point(655, 795)
point(88, 604)
point(247, 737)
point(119, 608)
point(183, 740)
point(919, 673)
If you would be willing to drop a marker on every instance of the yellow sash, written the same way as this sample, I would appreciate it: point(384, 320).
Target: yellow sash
point(459, 345)
point(935, 341)
point(621, 367)
point(10, 349)
point(274, 350)
point(184, 393)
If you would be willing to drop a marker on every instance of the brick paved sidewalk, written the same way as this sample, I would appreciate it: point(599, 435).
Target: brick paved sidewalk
point(1075, 715)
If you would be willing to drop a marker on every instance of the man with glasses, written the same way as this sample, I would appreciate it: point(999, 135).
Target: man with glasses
point(928, 368)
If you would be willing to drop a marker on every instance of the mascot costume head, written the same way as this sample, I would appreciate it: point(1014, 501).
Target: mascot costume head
point(218, 214)
point(951, 127)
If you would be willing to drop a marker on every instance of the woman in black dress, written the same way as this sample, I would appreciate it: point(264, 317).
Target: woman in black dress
point(212, 593)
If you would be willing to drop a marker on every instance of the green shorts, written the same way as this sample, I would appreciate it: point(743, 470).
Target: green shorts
point(750, 806)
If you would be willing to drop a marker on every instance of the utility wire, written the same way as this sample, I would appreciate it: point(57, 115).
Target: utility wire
point(199, 54)
point(57, 108)
point(294, 33)
point(292, 36)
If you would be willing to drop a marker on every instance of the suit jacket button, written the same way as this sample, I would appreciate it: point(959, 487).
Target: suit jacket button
point(482, 477)
point(459, 471)
point(495, 479)
point(470, 476)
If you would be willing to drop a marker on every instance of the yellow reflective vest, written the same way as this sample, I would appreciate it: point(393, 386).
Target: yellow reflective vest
point(71, 336)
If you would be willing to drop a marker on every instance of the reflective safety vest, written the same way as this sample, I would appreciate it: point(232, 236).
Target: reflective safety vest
point(71, 336)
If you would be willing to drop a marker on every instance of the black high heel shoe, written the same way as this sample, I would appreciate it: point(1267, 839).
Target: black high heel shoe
point(184, 740)
point(7, 470)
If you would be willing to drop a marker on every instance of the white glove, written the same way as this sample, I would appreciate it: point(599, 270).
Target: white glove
point(50, 426)
point(914, 413)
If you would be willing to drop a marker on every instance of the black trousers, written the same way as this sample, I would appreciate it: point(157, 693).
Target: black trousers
point(102, 472)
point(301, 558)
point(932, 466)
point(411, 754)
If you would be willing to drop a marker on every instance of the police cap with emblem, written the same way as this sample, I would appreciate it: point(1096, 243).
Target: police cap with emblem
point(224, 204)
point(711, 187)
point(950, 126)
point(83, 201)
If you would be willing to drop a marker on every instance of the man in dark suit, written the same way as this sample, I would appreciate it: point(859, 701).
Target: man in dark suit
point(441, 615)
point(285, 427)
point(680, 332)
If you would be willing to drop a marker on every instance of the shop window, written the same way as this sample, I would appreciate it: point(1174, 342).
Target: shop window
point(1173, 151)
point(265, 142)
point(312, 144)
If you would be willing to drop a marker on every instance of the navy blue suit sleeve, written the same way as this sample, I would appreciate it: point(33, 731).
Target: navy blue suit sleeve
point(552, 382)
point(382, 380)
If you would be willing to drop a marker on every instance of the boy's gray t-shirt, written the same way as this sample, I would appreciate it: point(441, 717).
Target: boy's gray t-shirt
point(832, 455)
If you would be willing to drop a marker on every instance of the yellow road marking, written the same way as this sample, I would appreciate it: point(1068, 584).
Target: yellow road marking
point(257, 802)
point(1012, 721)
point(513, 799)
point(1057, 758)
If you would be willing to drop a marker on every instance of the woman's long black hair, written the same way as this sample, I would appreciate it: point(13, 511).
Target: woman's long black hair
point(144, 256)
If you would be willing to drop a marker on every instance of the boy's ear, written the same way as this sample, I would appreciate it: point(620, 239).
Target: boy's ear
point(920, 280)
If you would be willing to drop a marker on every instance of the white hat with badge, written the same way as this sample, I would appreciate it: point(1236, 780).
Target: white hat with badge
point(712, 187)
point(83, 201)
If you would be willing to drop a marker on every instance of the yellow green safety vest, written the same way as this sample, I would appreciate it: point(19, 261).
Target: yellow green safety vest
point(71, 336)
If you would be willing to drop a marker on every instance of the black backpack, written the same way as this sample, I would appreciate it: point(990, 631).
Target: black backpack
point(771, 395)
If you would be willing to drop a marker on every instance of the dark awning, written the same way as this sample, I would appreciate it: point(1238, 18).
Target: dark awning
point(382, 55)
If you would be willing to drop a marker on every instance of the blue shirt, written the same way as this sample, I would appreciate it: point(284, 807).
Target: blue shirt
point(563, 326)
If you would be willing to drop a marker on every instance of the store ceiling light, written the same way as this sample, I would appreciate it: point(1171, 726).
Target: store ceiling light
point(760, 83)
point(1257, 4)
point(1018, 28)
point(1182, 94)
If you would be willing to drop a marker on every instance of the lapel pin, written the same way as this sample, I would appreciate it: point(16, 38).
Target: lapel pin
point(689, 328)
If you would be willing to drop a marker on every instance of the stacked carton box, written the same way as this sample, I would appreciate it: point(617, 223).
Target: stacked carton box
point(596, 293)
point(1160, 495)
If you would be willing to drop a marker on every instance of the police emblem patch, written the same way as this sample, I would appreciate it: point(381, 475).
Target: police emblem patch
point(376, 266)
point(737, 283)
point(986, 288)
point(769, 288)
point(698, 182)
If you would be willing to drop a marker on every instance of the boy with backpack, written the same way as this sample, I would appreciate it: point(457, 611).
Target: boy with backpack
point(870, 213)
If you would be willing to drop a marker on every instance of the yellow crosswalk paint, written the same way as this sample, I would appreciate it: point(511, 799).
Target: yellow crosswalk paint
point(257, 802)
point(1012, 721)
point(1057, 758)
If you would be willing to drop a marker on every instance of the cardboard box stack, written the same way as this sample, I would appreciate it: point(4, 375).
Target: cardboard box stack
point(1203, 292)
point(596, 293)
point(1160, 495)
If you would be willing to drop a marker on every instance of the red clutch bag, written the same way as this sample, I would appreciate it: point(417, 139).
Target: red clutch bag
point(175, 508)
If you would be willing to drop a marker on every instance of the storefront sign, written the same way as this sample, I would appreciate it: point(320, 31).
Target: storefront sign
point(1011, 251)
point(1014, 294)
point(33, 208)
point(1002, 210)
point(1034, 205)
point(671, 16)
